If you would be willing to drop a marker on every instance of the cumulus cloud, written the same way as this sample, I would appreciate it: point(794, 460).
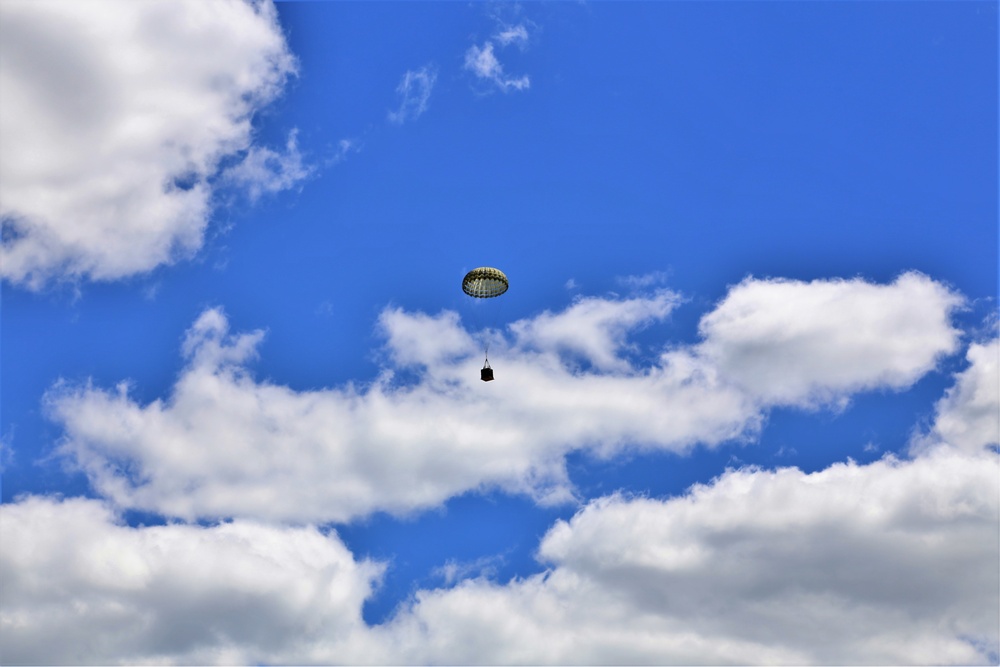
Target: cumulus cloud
point(968, 416)
point(79, 587)
point(414, 94)
point(888, 563)
point(483, 63)
point(893, 562)
point(225, 444)
point(116, 118)
point(794, 342)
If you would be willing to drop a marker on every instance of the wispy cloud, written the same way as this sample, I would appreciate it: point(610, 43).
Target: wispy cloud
point(482, 60)
point(454, 571)
point(6, 449)
point(512, 35)
point(344, 148)
point(265, 171)
point(414, 92)
point(644, 281)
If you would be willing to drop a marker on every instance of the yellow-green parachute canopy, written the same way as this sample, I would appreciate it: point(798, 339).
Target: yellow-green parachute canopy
point(484, 282)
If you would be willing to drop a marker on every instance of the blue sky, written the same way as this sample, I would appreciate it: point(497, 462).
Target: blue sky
point(746, 368)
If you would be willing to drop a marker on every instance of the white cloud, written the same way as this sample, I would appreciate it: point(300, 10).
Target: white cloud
point(894, 562)
point(888, 563)
point(224, 444)
point(968, 416)
point(454, 571)
point(644, 281)
point(517, 34)
point(115, 121)
point(793, 342)
point(263, 170)
point(415, 93)
point(345, 146)
point(481, 61)
point(6, 450)
point(81, 588)
point(594, 328)
point(335, 154)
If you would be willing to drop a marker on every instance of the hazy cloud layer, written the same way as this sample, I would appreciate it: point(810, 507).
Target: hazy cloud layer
point(224, 444)
point(889, 563)
point(115, 121)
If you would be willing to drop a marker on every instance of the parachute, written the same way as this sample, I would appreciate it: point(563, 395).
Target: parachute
point(485, 283)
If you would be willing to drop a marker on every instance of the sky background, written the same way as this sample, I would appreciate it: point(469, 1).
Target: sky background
point(746, 406)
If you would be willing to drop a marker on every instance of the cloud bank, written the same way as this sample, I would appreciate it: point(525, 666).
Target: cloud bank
point(894, 562)
point(888, 563)
point(115, 123)
point(82, 588)
point(224, 444)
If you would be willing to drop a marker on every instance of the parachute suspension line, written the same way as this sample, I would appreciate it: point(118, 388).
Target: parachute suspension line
point(486, 374)
point(484, 334)
point(485, 283)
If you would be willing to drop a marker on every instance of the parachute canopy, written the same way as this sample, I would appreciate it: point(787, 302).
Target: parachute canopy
point(484, 282)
